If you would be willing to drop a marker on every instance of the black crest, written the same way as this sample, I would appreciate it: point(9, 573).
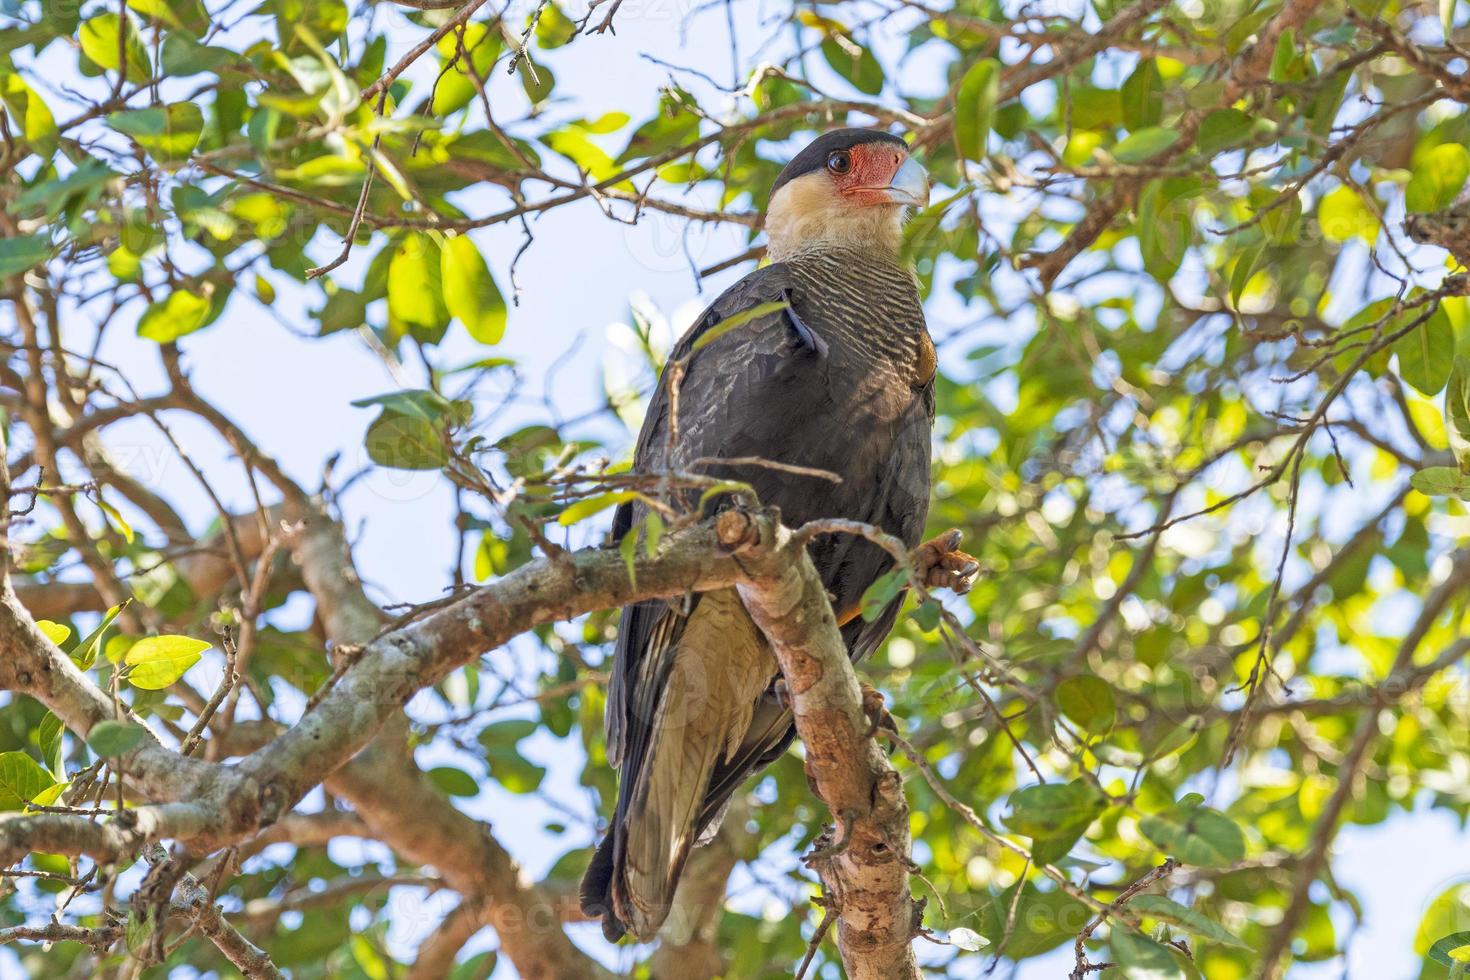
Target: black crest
point(814, 157)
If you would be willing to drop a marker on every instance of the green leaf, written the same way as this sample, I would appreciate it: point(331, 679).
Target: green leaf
point(140, 926)
point(166, 132)
point(1427, 354)
point(927, 615)
point(1196, 835)
point(110, 739)
point(85, 654)
point(1245, 267)
point(1452, 949)
point(507, 767)
point(1457, 412)
point(22, 780)
point(853, 62)
point(1342, 216)
point(412, 433)
point(1167, 910)
point(1088, 701)
point(1141, 958)
point(477, 967)
point(158, 661)
point(1142, 96)
point(883, 591)
point(1144, 144)
point(99, 40)
point(183, 55)
point(454, 90)
point(537, 81)
point(653, 533)
point(115, 518)
point(1441, 481)
point(1221, 130)
point(178, 316)
point(415, 290)
point(1447, 16)
point(37, 124)
point(173, 13)
point(1054, 816)
point(406, 442)
point(974, 108)
point(48, 740)
point(454, 782)
point(738, 320)
point(55, 632)
point(22, 253)
point(1438, 176)
point(502, 734)
point(1283, 57)
point(469, 291)
point(584, 509)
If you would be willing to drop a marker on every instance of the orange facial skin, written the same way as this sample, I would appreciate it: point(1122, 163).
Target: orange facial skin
point(871, 168)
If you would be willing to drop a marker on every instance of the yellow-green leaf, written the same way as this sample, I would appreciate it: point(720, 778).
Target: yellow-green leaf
point(179, 315)
point(1088, 701)
point(22, 780)
point(158, 661)
point(583, 509)
point(37, 124)
point(738, 320)
point(1427, 353)
point(55, 632)
point(1343, 216)
point(85, 654)
point(99, 40)
point(1438, 176)
point(116, 519)
point(470, 292)
point(415, 292)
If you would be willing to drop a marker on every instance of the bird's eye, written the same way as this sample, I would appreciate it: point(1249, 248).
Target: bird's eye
point(839, 162)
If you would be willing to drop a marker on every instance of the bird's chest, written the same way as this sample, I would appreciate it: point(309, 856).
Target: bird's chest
point(871, 319)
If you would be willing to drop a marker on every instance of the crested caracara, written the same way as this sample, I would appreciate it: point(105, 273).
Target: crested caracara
point(842, 380)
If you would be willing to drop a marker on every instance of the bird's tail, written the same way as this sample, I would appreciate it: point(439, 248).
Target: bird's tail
point(719, 669)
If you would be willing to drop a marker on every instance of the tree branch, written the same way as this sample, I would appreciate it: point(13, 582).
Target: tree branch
point(866, 872)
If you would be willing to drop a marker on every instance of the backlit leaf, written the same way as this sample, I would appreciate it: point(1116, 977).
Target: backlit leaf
point(469, 291)
point(22, 780)
point(158, 661)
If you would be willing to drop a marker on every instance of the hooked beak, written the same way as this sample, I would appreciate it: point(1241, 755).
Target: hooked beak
point(910, 185)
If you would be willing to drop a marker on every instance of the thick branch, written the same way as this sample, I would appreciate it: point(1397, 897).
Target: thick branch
point(228, 804)
point(865, 871)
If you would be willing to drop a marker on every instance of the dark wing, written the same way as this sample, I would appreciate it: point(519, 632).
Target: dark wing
point(901, 505)
point(716, 377)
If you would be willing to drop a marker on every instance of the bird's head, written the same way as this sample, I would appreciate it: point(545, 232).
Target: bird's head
point(849, 186)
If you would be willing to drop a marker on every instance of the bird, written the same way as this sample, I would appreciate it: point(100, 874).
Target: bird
point(825, 363)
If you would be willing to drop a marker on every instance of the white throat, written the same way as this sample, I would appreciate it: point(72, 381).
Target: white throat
point(808, 212)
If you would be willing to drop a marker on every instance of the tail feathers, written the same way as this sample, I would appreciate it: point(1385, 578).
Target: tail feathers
point(596, 892)
point(720, 669)
point(660, 827)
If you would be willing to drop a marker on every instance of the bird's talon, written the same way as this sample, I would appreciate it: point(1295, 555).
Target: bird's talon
point(876, 710)
point(940, 563)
